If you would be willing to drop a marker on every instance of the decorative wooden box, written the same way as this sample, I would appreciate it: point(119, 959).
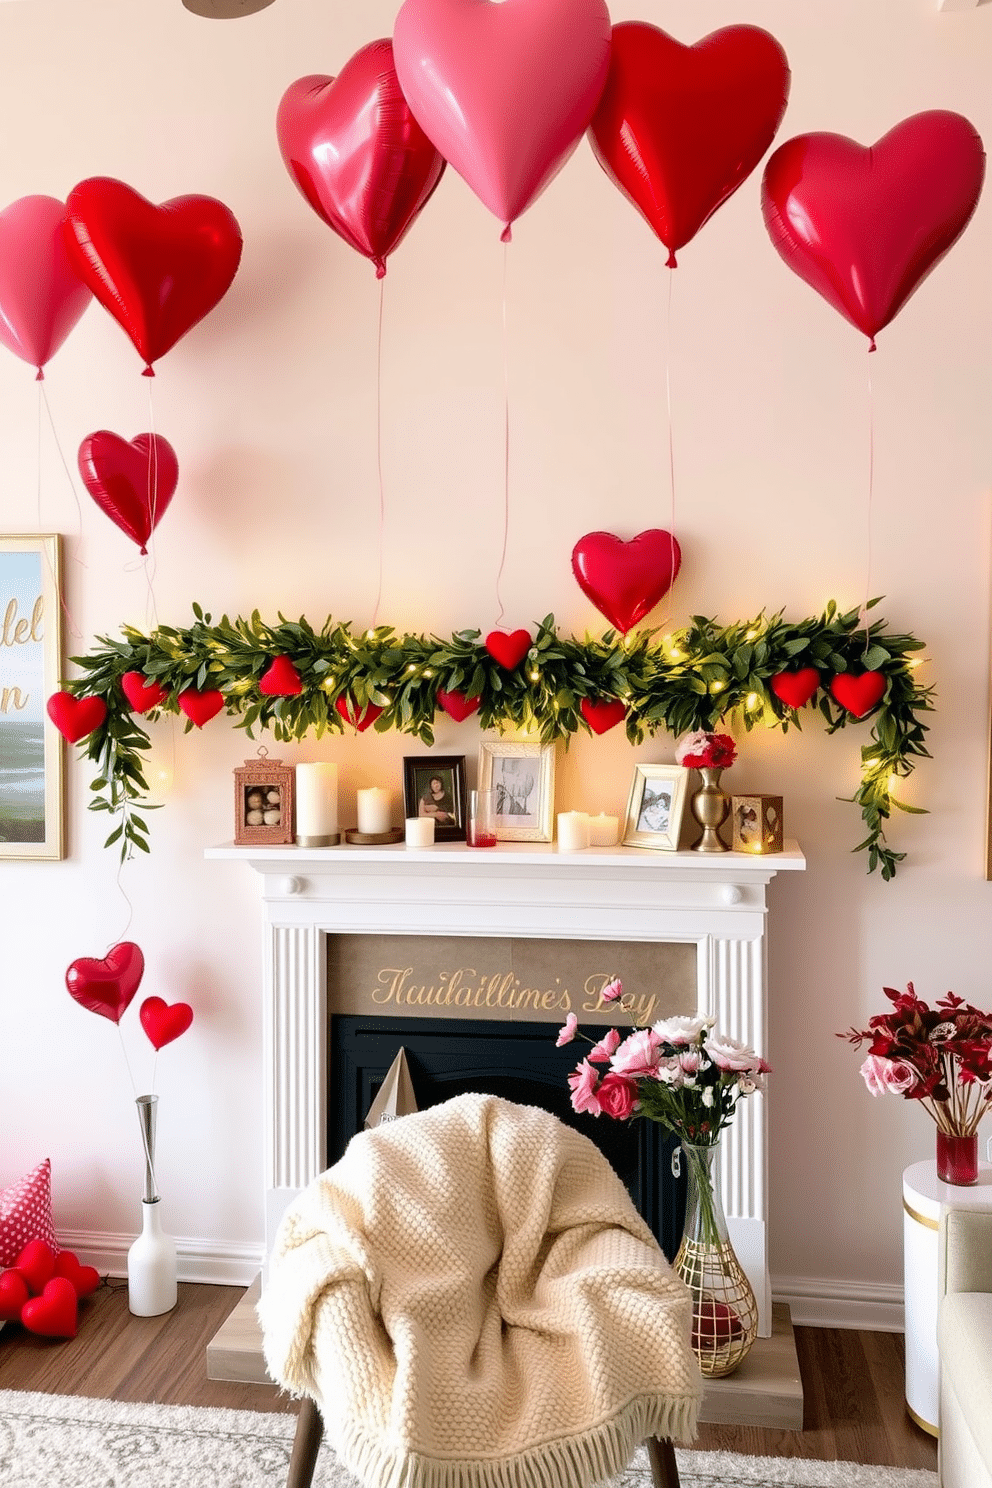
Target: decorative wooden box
point(264, 808)
point(756, 824)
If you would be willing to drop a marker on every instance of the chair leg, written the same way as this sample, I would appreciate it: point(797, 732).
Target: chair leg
point(664, 1468)
point(306, 1445)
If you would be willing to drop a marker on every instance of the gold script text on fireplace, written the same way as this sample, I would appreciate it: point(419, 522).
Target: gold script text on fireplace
point(464, 989)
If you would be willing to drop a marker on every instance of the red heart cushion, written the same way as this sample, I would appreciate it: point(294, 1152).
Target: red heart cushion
point(26, 1213)
point(36, 1263)
point(457, 705)
point(281, 679)
point(200, 707)
point(132, 483)
point(107, 985)
point(84, 1279)
point(349, 711)
point(795, 689)
point(142, 695)
point(858, 694)
point(164, 1022)
point(602, 715)
point(13, 1295)
point(625, 580)
point(508, 648)
point(55, 1313)
point(75, 717)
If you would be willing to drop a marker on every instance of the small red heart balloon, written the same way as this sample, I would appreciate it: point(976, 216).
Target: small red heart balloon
point(625, 580)
point(457, 705)
point(84, 1279)
point(603, 715)
point(508, 648)
point(281, 679)
point(157, 269)
point(132, 483)
point(163, 1021)
point(361, 719)
point(858, 694)
point(141, 694)
point(55, 1313)
point(41, 295)
point(75, 717)
point(13, 1295)
point(795, 689)
point(200, 707)
point(36, 1264)
point(107, 985)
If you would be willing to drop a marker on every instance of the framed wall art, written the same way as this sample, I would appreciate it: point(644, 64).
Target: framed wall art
point(523, 779)
point(31, 747)
point(655, 807)
point(434, 785)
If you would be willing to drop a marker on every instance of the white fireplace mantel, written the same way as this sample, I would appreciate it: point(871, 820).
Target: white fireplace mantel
point(716, 902)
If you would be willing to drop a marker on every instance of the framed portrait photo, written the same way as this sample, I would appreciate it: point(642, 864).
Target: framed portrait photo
point(655, 807)
point(522, 776)
point(31, 747)
point(434, 785)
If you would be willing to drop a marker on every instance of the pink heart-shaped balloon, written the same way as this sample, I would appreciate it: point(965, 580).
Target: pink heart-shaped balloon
point(795, 689)
point(360, 718)
point(200, 707)
point(508, 648)
point(55, 1313)
point(457, 705)
point(625, 580)
point(142, 694)
point(864, 226)
point(504, 91)
point(13, 1295)
point(36, 1264)
point(132, 483)
point(281, 679)
point(41, 295)
point(858, 694)
point(107, 985)
point(603, 715)
point(75, 717)
point(84, 1279)
point(163, 1021)
point(357, 153)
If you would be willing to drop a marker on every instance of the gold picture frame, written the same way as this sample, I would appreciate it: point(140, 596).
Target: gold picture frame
point(523, 778)
point(655, 807)
point(31, 747)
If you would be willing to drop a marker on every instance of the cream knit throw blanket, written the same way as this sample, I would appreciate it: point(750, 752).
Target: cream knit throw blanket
point(472, 1299)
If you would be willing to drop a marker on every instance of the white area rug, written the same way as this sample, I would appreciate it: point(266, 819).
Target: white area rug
point(66, 1441)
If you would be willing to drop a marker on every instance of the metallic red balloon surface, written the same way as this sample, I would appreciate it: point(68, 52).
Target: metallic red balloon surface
point(357, 153)
point(132, 483)
point(157, 269)
point(678, 128)
point(625, 580)
point(41, 295)
point(864, 225)
point(107, 984)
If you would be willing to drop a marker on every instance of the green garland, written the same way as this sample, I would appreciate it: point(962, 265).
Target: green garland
point(688, 680)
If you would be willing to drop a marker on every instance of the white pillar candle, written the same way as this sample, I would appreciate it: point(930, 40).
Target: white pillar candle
point(317, 800)
point(373, 810)
point(573, 831)
point(604, 831)
point(420, 831)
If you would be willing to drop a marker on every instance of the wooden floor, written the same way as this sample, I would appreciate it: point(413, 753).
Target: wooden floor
point(853, 1382)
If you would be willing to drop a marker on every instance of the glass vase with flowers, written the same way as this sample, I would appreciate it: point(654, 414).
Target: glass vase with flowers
point(710, 754)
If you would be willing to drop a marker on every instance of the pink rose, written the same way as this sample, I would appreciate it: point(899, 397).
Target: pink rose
point(873, 1074)
point(638, 1054)
point(617, 1096)
point(567, 1033)
point(898, 1077)
point(603, 1052)
point(582, 1081)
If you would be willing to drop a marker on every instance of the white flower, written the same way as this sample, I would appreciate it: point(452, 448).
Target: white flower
point(728, 1054)
point(682, 1030)
point(707, 1095)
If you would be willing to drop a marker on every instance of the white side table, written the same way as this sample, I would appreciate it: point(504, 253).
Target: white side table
point(923, 1197)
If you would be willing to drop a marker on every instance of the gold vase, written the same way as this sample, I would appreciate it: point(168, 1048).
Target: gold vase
point(724, 1308)
point(710, 806)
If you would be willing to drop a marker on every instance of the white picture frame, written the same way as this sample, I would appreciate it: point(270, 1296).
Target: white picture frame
point(655, 807)
point(523, 779)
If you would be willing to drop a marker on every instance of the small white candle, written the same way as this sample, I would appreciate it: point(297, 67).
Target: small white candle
point(420, 831)
point(373, 810)
point(604, 831)
point(573, 831)
point(317, 800)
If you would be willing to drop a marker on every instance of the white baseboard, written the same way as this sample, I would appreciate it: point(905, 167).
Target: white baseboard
point(816, 1303)
point(218, 1263)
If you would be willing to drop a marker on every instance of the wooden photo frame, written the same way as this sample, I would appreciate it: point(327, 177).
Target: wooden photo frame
point(655, 807)
point(523, 779)
point(31, 747)
point(434, 785)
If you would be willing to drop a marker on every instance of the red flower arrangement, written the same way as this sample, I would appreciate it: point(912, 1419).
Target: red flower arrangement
point(703, 751)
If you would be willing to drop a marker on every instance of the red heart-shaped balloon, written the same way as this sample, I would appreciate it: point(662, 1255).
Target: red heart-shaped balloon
point(357, 153)
point(36, 1264)
point(858, 694)
point(13, 1295)
point(457, 705)
point(508, 648)
point(163, 1021)
point(41, 295)
point(603, 715)
point(55, 1313)
point(75, 717)
point(157, 269)
point(84, 1279)
point(107, 985)
point(132, 483)
point(200, 707)
point(795, 689)
point(281, 679)
point(141, 694)
point(678, 128)
point(360, 718)
point(864, 226)
point(625, 580)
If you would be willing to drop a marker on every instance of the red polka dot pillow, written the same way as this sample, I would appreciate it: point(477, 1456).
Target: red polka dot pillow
point(26, 1213)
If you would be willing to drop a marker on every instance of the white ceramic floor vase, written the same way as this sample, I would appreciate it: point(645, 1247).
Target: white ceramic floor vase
point(151, 1262)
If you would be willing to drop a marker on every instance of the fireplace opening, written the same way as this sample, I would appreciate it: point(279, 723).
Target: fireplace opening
point(515, 1060)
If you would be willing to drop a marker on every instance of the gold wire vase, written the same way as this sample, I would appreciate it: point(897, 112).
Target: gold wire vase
point(724, 1309)
point(710, 805)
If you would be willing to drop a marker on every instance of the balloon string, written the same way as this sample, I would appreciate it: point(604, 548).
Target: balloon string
point(151, 560)
point(506, 438)
point(127, 1063)
point(378, 454)
point(868, 513)
point(671, 428)
point(71, 625)
point(130, 908)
